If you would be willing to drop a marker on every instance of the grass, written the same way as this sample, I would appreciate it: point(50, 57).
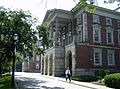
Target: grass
point(5, 82)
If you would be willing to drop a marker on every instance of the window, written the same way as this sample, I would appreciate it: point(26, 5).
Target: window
point(96, 33)
point(70, 37)
point(79, 36)
point(79, 20)
point(37, 58)
point(69, 34)
point(108, 21)
point(95, 19)
point(97, 56)
point(118, 23)
point(37, 66)
point(79, 33)
point(109, 35)
point(119, 38)
point(111, 57)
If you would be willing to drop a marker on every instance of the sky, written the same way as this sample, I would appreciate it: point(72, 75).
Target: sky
point(38, 8)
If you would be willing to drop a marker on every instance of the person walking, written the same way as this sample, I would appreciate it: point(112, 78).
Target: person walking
point(68, 74)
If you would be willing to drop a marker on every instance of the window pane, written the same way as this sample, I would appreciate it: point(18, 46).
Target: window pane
point(119, 36)
point(79, 36)
point(95, 18)
point(109, 37)
point(110, 56)
point(97, 58)
point(118, 23)
point(108, 21)
point(96, 35)
point(37, 66)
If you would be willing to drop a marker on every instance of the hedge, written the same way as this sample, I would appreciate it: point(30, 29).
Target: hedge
point(112, 80)
point(85, 78)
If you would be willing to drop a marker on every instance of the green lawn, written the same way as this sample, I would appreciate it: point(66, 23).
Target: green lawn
point(5, 82)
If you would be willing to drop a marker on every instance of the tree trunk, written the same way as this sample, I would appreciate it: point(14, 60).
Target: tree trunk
point(0, 70)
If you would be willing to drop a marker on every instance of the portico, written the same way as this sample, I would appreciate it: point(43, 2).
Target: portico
point(55, 59)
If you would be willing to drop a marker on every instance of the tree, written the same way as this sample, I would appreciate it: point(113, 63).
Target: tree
point(43, 36)
point(90, 4)
point(20, 22)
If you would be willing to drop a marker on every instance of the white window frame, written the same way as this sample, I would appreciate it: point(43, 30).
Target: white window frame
point(98, 50)
point(79, 35)
point(97, 28)
point(96, 19)
point(112, 52)
point(109, 20)
point(110, 30)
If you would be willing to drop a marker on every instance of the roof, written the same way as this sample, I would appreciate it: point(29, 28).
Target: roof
point(51, 12)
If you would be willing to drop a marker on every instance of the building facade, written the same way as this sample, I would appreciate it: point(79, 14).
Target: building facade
point(83, 41)
point(31, 64)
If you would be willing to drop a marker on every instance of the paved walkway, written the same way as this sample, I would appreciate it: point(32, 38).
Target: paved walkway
point(38, 81)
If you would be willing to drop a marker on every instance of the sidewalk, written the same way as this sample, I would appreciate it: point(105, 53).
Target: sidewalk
point(84, 84)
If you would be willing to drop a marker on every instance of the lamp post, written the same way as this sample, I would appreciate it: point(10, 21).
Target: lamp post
point(15, 40)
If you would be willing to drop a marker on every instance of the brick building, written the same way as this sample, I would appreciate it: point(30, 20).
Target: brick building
point(83, 41)
point(31, 64)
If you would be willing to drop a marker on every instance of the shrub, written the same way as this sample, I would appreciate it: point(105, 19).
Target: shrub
point(101, 73)
point(112, 80)
point(85, 78)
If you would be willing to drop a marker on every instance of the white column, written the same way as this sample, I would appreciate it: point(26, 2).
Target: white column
point(56, 32)
point(53, 69)
point(85, 30)
point(48, 66)
point(44, 66)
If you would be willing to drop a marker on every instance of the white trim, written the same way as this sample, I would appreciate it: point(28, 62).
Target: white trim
point(99, 51)
point(85, 28)
point(113, 56)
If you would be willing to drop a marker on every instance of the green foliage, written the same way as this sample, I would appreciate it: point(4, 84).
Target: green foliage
point(85, 78)
point(101, 73)
point(112, 80)
point(22, 23)
point(5, 82)
point(43, 34)
point(88, 5)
